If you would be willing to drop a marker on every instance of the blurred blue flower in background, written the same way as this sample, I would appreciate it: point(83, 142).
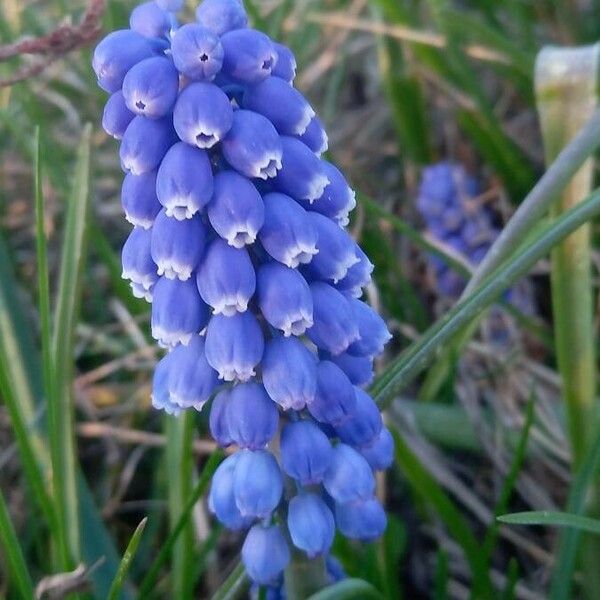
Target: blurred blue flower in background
point(239, 243)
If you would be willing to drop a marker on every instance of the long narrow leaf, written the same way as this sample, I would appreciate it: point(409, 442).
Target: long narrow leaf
point(552, 519)
point(12, 551)
point(234, 586)
point(348, 589)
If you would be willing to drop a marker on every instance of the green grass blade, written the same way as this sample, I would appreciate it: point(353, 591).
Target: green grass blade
point(348, 589)
point(552, 519)
point(432, 343)
point(235, 586)
point(184, 517)
point(67, 303)
point(125, 563)
point(431, 493)
point(15, 560)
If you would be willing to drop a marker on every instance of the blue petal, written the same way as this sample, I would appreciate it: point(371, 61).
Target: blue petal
point(372, 329)
point(177, 246)
point(252, 416)
point(301, 175)
point(222, 16)
point(150, 20)
point(311, 524)
point(336, 250)
point(226, 278)
point(363, 426)
point(177, 312)
point(234, 345)
point(221, 500)
point(349, 476)
point(184, 183)
point(285, 66)
point(249, 55)
point(138, 265)
point(289, 373)
point(338, 199)
point(361, 520)
point(150, 88)
point(334, 328)
point(170, 5)
point(236, 210)
point(197, 52)
point(202, 115)
point(283, 105)
point(160, 387)
point(252, 146)
point(219, 428)
point(335, 399)
point(359, 369)
point(285, 299)
point(145, 143)
point(380, 454)
point(257, 483)
point(191, 378)
point(265, 554)
point(358, 276)
point(138, 198)
point(315, 137)
point(116, 116)
point(305, 452)
point(116, 54)
point(287, 234)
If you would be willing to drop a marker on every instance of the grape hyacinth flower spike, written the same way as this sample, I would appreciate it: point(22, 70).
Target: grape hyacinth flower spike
point(239, 244)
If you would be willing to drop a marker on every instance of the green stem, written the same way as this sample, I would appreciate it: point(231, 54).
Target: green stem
point(566, 89)
point(304, 577)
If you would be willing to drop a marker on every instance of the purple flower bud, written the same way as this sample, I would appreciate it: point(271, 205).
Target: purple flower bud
point(373, 331)
point(349, 476)
point(338, 199)
point(265, 554)
point(226, 278)
point(257, 483)
point(285, 66)
point(222, 16)
point(358, 276)
point(150, 20)
point(361, 519)
point(116, 54)
point(202, 115)
point(335, 399)
point(184, 183)
point(150, 88)
point(380, 454)
point(252, 416)
point(334, 328)
point(221, 500)
point(302, 175)
point(191, 378)
point(305, 452)
point(177, 245)
point(283, 105)
point(170, 5)
point(117, 116)
point(218, 425)
point(177, 312)
point(315, 137)
point(145, 143)
point(252, 145)
point(236, 210)
point(138, 265)
point(284, 299)
point(289, 373)
point(287, 234)
point(138, 198)
point(363, 425)
point(197, 52)
point(160, 387)
point(249, 55)
point(359, 369)
point(336, 250)
point(234, 345)
point(311, 524)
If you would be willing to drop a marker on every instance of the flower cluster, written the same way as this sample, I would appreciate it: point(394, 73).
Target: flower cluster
point(239, 243)
point(450, 205)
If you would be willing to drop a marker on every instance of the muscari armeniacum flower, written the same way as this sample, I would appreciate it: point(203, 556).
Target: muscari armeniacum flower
point(239, 243)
